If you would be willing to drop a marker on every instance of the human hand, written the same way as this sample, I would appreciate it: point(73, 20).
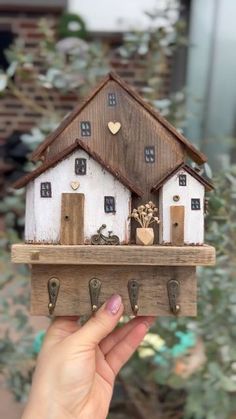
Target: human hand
point(77, 366)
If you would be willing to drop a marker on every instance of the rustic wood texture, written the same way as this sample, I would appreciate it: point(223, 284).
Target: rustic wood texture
point(74, 298)
point(139, 129)
point(48, 143)
point(114, 255)
point(23, 181)
point(72, 218)
point(177, 224)
point(141, 126)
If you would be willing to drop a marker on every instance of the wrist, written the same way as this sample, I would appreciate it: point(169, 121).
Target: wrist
point(40, 411)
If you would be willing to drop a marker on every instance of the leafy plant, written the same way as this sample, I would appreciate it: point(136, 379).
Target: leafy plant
point(191, 372)
point(198, 355)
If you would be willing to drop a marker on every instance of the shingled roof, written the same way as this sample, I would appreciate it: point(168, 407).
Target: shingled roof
point(208, 185)
point(66, 152)
point(191, 150)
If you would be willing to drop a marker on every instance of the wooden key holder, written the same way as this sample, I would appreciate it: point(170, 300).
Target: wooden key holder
point(84, 204)
point(115, 267)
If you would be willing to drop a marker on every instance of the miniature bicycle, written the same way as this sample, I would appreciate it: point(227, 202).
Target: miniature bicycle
point(100, 238)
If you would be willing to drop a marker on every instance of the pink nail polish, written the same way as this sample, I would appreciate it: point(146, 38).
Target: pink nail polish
point(113, 304)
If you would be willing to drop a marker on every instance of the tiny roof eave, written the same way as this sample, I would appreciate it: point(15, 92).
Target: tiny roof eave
point(190, 149)
point(23, 181)
point(206, 183)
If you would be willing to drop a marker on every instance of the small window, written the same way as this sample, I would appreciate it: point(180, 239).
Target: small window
point(80, 166)
point(195, 204)
point(85, 127)
point(149, 154)
point(111, 99)
point(109, 204)
point(46, 190)
point(182, 180)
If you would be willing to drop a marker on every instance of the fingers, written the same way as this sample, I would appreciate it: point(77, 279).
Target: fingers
point(121, 353)
point(101, 324)
point(60, 328)
point(117, 335)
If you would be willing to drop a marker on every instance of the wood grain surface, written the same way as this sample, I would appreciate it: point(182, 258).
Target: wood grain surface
point(177, 224)
point(72, 218)
point(125, 150)
point(74, 297)
point(114, 255)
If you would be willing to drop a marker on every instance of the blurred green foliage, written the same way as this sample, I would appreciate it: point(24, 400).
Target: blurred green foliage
point(207, 374)
point(71, 25)
point(200, 375)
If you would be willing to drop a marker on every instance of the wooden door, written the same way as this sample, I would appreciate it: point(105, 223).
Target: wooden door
point(177, 225)
point(72, 218)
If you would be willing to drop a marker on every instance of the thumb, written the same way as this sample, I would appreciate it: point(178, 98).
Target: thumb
point(102, 323)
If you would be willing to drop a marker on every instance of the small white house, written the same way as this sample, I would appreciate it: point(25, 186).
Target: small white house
point(181, 206)
point(73, 193)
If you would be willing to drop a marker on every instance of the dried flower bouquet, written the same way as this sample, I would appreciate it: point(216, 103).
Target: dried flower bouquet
point(146, 215)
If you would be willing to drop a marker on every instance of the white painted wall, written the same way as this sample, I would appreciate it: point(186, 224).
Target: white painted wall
point(111, 15)
point(194, 219)
point(43, 214)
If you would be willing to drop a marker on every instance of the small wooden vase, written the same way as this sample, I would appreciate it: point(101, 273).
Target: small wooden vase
point(144, 236)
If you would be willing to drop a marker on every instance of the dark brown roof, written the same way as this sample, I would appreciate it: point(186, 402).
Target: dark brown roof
point(65, 122)
point(63, 154)
point(208, 185)
point(192, 151)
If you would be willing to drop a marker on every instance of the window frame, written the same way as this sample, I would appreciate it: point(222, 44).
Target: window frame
point(195, 204)
point(149, 154)
point(181, 177)
point(46, 189)
point(80, 166)
point(112, 204)
point(111, 99)
point(85, 128)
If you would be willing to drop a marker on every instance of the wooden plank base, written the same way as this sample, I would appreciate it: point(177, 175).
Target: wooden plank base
point(114, 255)
point(74, 298)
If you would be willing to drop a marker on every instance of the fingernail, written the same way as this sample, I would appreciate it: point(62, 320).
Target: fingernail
point(113, 304)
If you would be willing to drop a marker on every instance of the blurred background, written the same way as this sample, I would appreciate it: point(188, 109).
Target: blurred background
point(179, 55)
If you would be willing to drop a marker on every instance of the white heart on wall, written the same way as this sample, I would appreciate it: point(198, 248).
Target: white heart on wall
point(114, 127)
point(74, 185)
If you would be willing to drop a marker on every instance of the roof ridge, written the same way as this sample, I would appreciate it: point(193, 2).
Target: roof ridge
point(189, 169)
point(67, 119)
point(195, 154)
point(23, 181)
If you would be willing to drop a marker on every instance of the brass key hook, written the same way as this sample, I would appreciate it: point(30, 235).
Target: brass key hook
point(173, 294)
point(94, 290)
point(53, 290)
point(133, 289)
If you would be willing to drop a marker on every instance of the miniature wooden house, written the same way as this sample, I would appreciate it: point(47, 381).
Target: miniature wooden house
point(76, 193)
point(182, 206)
point(108, 156)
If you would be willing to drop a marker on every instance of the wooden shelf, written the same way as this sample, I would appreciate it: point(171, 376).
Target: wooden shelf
point(114, 255)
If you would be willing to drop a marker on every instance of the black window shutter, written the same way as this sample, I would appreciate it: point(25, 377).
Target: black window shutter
point(80, 166)
point(149, 154)
point(85, 127)
point(45, 190)
point(109, 204)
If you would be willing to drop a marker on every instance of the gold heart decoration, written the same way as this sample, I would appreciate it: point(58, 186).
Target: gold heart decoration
point(75, 185)
point(114, 127)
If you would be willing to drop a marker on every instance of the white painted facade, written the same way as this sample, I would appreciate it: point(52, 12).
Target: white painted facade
point(119, 16)
point(193, 219)
point(43, 215)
